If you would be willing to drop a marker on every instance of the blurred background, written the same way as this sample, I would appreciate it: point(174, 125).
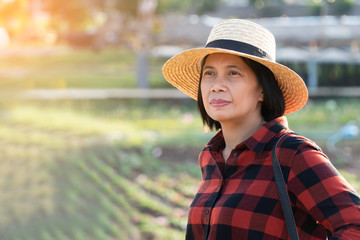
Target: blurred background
point(94, 144)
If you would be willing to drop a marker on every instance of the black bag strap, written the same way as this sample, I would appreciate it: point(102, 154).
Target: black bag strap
point(283, 194)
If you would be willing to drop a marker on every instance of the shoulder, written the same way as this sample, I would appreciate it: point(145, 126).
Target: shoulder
point(298, 143)
point(294, 148)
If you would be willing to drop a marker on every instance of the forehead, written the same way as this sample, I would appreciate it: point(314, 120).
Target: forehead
point(219, 59)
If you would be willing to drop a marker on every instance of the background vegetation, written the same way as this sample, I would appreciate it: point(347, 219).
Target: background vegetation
point(119, 169)
point(116, 169)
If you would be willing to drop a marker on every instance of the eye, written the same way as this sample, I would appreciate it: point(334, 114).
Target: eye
point(208, 73)
point(234, 73)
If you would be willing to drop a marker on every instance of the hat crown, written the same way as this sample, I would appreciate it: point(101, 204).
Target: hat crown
point(245, 32)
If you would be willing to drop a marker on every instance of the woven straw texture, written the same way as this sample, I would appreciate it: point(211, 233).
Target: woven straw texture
point(183, 70)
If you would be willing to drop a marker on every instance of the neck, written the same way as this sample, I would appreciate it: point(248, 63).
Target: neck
point(235, 134)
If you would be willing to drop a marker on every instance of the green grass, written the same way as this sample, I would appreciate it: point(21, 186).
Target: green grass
point(111, 68)
point(320, 118)
point(103, 169)
point(131, 128)
point(69, 171)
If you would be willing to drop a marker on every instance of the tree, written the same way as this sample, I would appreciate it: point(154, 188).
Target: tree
point(342, 7)
point(269, 8)
point(335, 7)
point(67, 17)
point(187, 6)
point(204, 6)
point(14, 15)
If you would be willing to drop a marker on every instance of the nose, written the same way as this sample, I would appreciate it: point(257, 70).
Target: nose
point(218, 85)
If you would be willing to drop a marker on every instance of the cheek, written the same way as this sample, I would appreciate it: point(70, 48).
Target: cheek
point(204, 91)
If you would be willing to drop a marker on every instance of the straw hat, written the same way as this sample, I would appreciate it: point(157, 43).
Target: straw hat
point(242, 38)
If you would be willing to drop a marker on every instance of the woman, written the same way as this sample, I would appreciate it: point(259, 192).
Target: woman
point(244, 93)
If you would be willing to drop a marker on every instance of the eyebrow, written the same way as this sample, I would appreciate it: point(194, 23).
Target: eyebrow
point(228, 66)
point(234, 66)
point(208, 67)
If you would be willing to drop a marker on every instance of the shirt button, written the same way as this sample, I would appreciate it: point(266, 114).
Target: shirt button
point(235, 154)
point(207, 212)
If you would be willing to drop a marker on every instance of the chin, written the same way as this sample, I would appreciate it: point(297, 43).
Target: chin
point(219, 118)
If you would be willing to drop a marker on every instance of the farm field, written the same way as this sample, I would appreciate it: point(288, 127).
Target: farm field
point(71, 174)
point(62, 67)
point(118, 169)
point(108, 169)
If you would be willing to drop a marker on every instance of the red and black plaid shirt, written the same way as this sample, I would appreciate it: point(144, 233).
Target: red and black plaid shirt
point(238, 198)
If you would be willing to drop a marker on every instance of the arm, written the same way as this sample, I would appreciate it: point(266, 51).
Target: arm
point(323, 192)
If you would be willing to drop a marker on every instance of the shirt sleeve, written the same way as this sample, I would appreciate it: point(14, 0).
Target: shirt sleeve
point(318, 188)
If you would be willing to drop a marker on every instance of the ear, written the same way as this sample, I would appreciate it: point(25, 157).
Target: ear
point(261, 95)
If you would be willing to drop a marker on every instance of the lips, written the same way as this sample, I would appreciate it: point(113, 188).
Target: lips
point(219, 103)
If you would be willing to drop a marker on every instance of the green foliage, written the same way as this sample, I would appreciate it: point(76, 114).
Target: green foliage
point(173, 6)
point(330, 74)
point(112, 68)
point(272, 8)
point(70, 16)
point(352, 178)
point(338, 7)
point(14, 15)
point(77, 14)
point(328, 114)
point(195, 7)
point(207, 6)
point(342, 7)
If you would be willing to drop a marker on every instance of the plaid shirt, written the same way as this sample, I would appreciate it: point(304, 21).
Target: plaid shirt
point(238, 198)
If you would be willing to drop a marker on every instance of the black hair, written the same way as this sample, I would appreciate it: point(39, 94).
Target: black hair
point(273, 105)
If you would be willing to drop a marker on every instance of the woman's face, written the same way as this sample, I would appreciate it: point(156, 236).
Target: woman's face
point(230, 90)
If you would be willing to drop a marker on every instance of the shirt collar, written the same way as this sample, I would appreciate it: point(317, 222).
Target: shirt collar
point(258, 140)
point(217, 143)
point(268, 131)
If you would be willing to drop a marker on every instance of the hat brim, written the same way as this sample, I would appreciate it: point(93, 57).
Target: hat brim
point(183, 72)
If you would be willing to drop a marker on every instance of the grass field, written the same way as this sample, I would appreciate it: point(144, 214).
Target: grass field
point(105, 169)
point(112, 68)
point(72, 173)
point(111, 169)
